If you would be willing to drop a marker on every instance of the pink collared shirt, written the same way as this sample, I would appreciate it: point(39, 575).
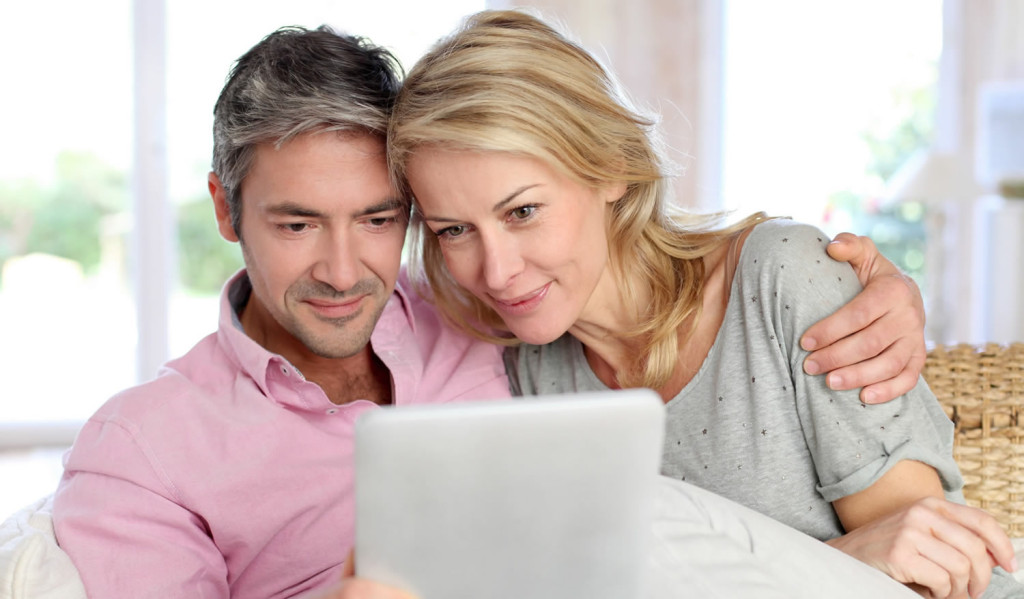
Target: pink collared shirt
point(229, 475)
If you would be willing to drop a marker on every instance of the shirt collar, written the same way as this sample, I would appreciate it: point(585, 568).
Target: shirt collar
point(276, 377)
point(403, 287)
point(266, 368)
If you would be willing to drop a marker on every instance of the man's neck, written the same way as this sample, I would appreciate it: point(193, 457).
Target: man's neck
point(343, 380)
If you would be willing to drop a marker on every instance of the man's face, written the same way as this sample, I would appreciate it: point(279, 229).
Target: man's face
point(321, 234)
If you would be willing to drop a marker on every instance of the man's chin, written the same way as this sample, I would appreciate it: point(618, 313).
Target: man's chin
point(336, 339)
point(337, 349)
point(338, 342)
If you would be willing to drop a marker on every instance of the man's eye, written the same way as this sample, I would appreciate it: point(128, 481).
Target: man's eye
point(381, 221)
point(295, 227)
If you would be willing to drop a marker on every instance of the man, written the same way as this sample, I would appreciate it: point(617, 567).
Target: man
point(230, 474)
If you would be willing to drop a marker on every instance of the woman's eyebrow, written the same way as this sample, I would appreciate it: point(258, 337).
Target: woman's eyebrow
point(496, 208)
point(512, 196)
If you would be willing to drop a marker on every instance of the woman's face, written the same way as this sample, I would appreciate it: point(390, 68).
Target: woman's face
point(523, 238)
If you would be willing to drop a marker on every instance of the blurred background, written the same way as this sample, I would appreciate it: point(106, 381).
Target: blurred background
point(902, 120)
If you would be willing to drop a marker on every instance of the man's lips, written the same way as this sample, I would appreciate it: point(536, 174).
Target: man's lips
point(334, 308)
point(523, 303)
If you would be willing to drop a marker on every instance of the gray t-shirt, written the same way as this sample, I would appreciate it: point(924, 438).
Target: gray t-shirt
point(751, 425)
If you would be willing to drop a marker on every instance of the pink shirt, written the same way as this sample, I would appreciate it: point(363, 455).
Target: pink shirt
point(229, 474)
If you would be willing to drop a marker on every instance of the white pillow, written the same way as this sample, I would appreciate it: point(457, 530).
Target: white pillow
point(1018, 547)
point(32, 565)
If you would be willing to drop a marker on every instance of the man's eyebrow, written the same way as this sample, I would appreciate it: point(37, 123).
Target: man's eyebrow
point(497, 207)
point(294, 209)
point(384, 206)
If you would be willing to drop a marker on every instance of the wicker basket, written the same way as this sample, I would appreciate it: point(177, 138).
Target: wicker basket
point(982, 391)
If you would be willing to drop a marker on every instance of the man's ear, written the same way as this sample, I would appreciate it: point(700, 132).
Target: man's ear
point(220, 207)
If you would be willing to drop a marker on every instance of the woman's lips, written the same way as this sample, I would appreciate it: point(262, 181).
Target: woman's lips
point(522, 304)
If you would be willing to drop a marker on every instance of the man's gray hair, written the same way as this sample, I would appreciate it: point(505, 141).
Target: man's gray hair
point(296, 81)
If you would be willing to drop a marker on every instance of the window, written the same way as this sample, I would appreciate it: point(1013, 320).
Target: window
point(67, 307)
point(822, 103)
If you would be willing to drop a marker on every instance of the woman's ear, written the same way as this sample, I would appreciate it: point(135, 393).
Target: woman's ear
point(221, 208)
point(612, 192)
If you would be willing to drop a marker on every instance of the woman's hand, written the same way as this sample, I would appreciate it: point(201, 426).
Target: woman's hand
point(939, 548)
point(876, 341)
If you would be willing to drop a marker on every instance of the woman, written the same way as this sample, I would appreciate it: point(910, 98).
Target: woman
point(542, 213)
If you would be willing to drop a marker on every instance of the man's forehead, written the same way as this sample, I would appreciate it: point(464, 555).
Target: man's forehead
point(339, 205)
point(322, 172)
point(361, 145)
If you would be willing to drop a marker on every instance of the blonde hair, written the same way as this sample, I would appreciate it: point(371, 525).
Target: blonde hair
point(508, 82)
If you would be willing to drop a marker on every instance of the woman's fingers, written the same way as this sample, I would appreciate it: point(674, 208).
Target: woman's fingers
point(985, 528)
point(947, 548)
point(962, 574)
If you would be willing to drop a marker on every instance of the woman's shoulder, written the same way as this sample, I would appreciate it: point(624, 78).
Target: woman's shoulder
point(777, 251)
point(776, 245)
point(785, 263)
point(783, 237)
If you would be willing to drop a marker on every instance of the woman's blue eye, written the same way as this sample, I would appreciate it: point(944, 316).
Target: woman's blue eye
point(523, 212)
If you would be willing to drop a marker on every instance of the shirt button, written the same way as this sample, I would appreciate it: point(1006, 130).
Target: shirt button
point(284, 370)
point(332, 411)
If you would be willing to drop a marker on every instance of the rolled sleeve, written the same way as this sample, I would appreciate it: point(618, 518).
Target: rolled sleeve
point(852, 444)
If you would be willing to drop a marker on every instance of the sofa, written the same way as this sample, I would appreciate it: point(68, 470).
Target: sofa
point(981, 389)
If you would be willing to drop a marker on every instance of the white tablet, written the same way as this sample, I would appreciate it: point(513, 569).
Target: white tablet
point(534, 498)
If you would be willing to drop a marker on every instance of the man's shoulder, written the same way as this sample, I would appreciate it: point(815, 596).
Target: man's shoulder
point(415, 297)
point(199, 372)
point(454, 364)
point(166, 429)
point(422, 316)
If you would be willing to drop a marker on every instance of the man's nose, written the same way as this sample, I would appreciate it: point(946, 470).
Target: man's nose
point(337, 262)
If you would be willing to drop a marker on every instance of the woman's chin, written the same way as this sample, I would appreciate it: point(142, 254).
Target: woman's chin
point(537, 337)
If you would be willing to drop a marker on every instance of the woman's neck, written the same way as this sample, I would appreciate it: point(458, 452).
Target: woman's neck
point(605, 326)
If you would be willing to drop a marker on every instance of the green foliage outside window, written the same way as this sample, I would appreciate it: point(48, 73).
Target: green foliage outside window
point(205, 259)
point(63, 219)
point(897, 228)
point(72, 218)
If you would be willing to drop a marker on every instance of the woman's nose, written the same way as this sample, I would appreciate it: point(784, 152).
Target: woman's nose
point(502, 261)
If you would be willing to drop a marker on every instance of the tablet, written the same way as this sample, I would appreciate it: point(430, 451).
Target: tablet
point(533, 498)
